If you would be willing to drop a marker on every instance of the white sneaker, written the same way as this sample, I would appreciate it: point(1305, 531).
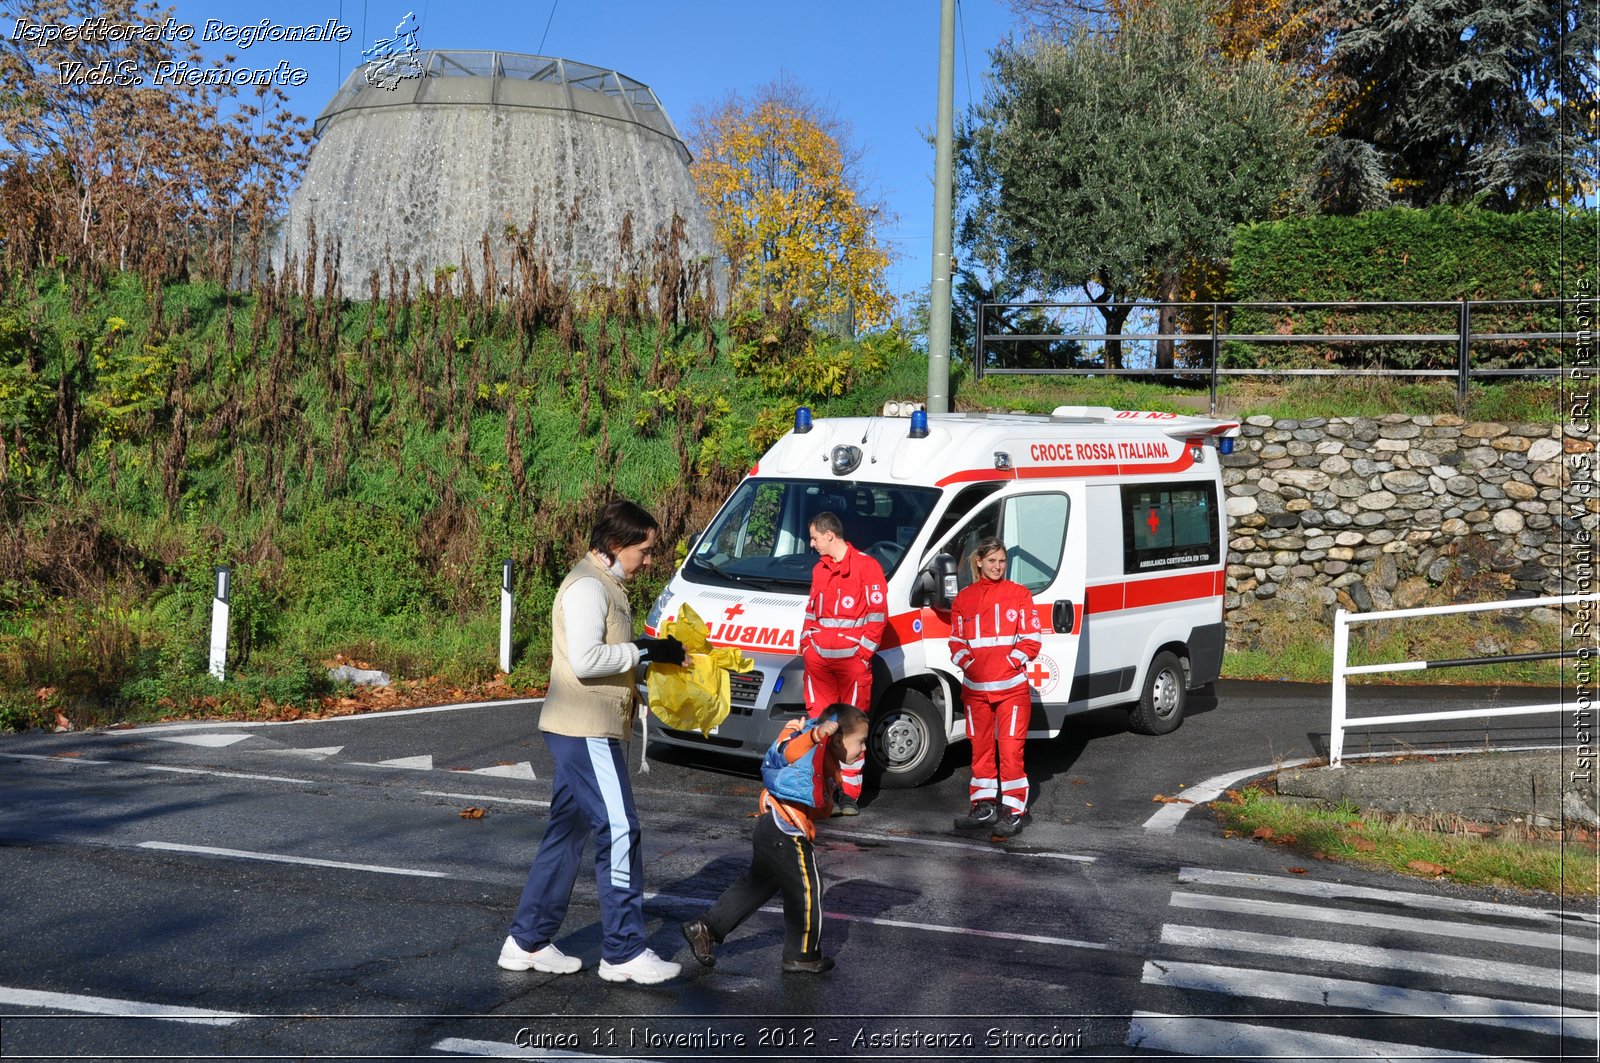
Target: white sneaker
point(550, 960)
point(646, 968)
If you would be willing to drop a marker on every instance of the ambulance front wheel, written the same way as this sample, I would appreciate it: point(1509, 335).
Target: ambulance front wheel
point(1159, 709)
point(907, 740)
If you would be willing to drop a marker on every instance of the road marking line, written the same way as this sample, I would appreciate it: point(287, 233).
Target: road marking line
point(1203, 1038)
point(131, 1009)
point(1438, 927)
point(463, 1046)
point(221, 774)
point(53, 758)
point(485, 797)
point(700, 903)
point(996, 935)
point(1326, 951)
point(846, 834)
point(1167, 817)
point(210, 741)
point(422, 763)
point(1388, 999)
point(243, 854)
point(1313, 888)
point(520, 770)
point(140, 732)
point(319, 752)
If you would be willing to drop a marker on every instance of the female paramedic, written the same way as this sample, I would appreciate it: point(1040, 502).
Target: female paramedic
point(994, 633)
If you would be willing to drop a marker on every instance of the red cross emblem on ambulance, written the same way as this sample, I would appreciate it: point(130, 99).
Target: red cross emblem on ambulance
point(1043, 675)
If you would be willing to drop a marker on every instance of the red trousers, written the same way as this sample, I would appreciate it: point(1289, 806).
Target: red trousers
point(830, 681)
point(998, 723)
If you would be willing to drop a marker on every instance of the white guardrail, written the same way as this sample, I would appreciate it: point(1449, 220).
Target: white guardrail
point(1342, 668)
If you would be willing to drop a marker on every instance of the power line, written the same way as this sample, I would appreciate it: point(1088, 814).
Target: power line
point(555, 4)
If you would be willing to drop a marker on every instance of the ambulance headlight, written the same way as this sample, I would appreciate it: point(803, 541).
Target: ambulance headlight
point(653, 620)
point(845, 459)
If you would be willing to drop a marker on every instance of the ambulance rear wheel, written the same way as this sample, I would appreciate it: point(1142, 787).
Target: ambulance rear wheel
point(907, 739)
point(1159, 709)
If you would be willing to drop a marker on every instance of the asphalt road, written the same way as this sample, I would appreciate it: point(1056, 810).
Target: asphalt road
point(221, 891)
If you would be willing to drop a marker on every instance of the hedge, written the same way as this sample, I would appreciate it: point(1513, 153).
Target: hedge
point(1442, 253)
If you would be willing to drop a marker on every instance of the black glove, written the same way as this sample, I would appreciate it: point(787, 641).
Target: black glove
point(660, 651)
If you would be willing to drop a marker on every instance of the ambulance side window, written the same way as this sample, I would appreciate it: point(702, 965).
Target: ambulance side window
point(1034, 529)
point(1035, 532)
point(1169, 526)
point(962, 504)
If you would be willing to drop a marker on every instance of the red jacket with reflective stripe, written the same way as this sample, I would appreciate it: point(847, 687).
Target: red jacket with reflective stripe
point(847, 610)
point(994, 633)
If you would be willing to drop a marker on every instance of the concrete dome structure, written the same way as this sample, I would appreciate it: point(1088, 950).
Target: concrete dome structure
point(416, 170)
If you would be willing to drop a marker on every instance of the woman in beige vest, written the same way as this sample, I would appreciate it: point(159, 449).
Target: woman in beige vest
point(587, 719)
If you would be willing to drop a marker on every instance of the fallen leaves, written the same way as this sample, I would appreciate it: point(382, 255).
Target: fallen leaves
point(1428, 867)
point(1163, 799)
point(472, 813)
point(1296, 870)
point(1363, 845)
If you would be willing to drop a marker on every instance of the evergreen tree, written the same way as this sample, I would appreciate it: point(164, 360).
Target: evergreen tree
point(1450, 101)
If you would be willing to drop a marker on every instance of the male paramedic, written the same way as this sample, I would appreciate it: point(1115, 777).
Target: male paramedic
point(845, 617)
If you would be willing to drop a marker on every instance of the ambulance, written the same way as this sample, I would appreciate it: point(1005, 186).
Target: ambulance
point(1113, 519)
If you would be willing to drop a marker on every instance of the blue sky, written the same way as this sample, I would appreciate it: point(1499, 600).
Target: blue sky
point(874, 61)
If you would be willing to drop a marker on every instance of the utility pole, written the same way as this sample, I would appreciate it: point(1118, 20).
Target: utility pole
point(943, 181)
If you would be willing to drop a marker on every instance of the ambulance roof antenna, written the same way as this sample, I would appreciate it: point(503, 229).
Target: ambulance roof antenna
point(872, 420)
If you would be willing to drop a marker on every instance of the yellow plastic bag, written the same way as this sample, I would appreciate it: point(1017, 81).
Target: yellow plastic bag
point(695, 696)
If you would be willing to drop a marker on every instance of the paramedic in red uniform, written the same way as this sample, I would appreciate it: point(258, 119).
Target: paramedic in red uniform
point(845, 617)
point(994, 633)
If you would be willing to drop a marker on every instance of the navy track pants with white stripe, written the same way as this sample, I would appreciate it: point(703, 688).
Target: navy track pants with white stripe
point(591, 795)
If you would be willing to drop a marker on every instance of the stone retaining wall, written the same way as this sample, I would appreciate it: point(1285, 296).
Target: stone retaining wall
point(1402, 511)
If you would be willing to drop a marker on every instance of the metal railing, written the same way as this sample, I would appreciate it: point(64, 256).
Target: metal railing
point(1209, 341)
point(1342, 668)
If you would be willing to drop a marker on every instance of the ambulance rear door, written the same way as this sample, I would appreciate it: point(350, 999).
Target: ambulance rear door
point(1044, 527)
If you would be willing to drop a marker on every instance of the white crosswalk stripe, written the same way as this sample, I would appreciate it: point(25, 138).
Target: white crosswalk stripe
point(1445, 977)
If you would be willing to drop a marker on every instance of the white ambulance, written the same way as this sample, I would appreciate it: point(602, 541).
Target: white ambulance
point(1113, 519)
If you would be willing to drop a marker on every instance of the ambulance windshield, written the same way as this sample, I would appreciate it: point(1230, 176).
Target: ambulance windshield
point(761, 538)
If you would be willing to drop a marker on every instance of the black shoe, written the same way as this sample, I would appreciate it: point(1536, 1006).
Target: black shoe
point(846, 806)
point(1009, 826)
point(698, 935)
point(982, 814)
point(816, 966)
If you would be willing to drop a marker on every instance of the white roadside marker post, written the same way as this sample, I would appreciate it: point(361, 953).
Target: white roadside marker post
point(506, 609)
point(219, 623)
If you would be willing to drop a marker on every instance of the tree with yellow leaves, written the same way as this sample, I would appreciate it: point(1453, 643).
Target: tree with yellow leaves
point(778, 183)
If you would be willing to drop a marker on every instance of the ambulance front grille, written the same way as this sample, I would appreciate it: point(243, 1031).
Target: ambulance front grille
point(744, 689)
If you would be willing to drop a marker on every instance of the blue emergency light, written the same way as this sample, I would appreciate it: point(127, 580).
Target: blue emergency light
point(802, 420)
point(919, 424)
point(1225, 445)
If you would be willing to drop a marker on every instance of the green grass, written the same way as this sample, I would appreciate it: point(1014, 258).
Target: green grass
point(1469, 857)
point(1287, 647)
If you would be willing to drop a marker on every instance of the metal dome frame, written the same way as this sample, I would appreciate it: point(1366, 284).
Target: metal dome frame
point(507, 79)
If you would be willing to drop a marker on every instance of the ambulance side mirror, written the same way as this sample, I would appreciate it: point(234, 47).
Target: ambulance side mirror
point(936, 583)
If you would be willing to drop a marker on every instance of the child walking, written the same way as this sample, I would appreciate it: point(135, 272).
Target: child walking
point(782, 857)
